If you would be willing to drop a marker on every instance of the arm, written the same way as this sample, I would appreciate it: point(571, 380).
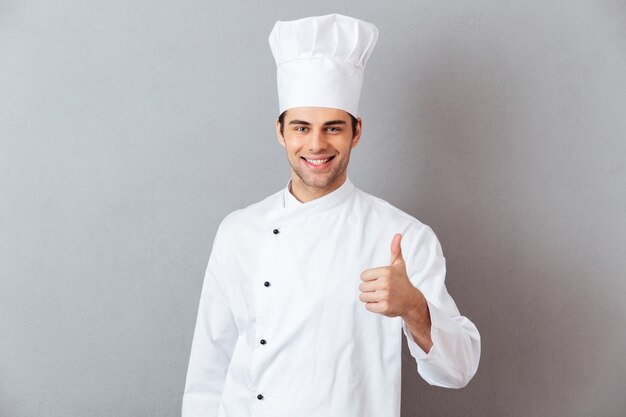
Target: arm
point(452, 358)
point(445, 344)
point(213, 342)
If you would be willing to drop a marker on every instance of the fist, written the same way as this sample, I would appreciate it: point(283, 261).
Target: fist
point(387, 290)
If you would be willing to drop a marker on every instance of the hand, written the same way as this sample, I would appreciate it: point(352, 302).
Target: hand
point(387, 290)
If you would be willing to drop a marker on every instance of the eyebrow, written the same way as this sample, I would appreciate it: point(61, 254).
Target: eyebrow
point(329, 123)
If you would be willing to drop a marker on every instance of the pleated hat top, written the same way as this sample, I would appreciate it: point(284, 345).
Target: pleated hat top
point(320, 61)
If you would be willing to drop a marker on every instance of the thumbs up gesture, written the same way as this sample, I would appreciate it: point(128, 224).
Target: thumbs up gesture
point(387, 290)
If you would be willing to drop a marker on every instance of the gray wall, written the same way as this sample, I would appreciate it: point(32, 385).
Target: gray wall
point(129, 129)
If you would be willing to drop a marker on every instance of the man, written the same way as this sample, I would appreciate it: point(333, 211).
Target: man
point(307, 293)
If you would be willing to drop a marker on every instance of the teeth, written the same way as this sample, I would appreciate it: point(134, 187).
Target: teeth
point(317, 161)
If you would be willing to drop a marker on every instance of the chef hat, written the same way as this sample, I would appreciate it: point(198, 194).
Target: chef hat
point(320, 61)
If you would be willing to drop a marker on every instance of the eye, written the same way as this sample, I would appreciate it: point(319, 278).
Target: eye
point(300, 128)
point(332, 129)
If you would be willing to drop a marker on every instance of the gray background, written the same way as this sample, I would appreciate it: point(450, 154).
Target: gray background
point(129, 129)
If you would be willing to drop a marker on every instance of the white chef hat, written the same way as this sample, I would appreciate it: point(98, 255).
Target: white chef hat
point(320, 61)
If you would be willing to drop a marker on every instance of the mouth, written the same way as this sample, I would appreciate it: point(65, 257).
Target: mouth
point(318, 163)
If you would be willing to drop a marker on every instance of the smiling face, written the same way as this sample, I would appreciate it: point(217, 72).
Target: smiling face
point(318, 141)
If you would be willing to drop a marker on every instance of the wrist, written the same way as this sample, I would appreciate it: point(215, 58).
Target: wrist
point(417, 319)
point(417, 314)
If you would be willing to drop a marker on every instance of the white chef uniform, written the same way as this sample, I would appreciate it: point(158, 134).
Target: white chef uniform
point(281, 331)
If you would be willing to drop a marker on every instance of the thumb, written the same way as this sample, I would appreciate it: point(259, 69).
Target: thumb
point(396, 250)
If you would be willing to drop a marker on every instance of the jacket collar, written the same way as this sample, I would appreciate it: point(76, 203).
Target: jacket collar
point(291, 207)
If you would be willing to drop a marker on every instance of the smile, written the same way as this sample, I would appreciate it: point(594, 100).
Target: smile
point(318, 163)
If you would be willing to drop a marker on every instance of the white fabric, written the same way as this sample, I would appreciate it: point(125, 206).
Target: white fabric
point(290, 199)
point(320, 61)
point(325, 355)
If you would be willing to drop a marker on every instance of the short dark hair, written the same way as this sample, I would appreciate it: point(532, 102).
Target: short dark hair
point(281, 121)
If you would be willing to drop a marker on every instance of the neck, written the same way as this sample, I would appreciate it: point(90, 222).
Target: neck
point(305, 193)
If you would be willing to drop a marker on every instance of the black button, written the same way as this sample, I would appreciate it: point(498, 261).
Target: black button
point(276, 231)
point(260, 397)
point(263, 341)
point(266, 283)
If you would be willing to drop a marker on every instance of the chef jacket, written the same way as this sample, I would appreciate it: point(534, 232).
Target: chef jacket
point(281, 331)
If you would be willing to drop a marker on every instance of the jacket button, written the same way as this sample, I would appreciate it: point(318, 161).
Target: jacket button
point(266, 283)
point(263, 341)
point(276, 231)
point(260, 396)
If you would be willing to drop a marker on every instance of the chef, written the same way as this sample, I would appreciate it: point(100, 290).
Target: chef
point(308, 292)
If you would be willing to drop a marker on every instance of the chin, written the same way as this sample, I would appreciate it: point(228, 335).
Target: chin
point(320, 183)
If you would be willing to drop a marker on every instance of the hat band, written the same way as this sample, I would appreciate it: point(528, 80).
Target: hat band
point(319, 82)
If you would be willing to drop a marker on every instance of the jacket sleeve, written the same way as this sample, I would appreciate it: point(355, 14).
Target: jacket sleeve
point(453, 358)
point(213, 341)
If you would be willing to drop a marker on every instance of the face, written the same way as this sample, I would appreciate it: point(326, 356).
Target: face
point(318, 141)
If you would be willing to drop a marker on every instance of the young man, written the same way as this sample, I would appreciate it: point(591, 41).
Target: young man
point(307, 293)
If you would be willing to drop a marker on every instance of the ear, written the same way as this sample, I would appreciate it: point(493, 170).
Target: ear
point(357, 134)
point(279, 136)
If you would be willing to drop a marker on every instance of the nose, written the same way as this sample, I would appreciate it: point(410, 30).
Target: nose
point(317, 141)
